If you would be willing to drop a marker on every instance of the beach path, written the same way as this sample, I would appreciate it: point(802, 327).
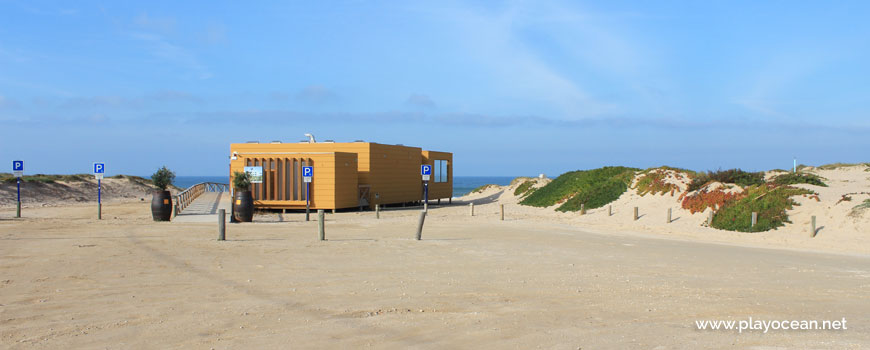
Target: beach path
point(205, 208)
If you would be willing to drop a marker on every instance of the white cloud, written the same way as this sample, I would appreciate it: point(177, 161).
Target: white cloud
point(163, 49)
point(418, 100)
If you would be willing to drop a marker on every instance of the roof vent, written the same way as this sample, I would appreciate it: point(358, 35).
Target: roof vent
point(329, 141)
point(310, 138)
point(276, 141)
point(253, 141)
point(358, 141)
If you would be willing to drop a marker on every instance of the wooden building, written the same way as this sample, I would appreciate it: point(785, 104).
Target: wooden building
point(346, 175)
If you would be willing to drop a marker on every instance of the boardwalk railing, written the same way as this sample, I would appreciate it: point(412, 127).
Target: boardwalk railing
point(183, 199)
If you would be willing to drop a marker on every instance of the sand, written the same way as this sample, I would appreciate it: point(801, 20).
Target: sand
point(539, 279)
point(69, 281)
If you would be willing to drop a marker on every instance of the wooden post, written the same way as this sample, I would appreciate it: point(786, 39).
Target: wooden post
point(813, 234)
point(635, 213)
point(18, 208)
point(609, 210)
point(472, 208)
point(501, 207)
point(420, 225)
point(222, 228)
point(582, 208)
point(754, 219)
point(99, 211)
point(377, 211)
point(320, 226)
point(669, 215)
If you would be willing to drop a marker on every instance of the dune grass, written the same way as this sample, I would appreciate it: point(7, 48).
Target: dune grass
point(524, 189)
point(735, 176)
point(594, 188)
point(482, 188)
point(798, 178)
point(43, 178)
point(653, 180)
point(769, 201)
point(834, 166)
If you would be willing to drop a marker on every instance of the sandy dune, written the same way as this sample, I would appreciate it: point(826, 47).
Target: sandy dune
point(839, 228)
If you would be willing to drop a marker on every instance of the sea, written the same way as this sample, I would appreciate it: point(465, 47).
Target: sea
point(462, 185)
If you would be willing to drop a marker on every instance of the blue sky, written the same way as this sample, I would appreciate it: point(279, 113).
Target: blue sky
point(512, 88)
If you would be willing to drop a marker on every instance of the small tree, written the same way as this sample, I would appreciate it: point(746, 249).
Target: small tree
point(163, 178)
point(241, 181)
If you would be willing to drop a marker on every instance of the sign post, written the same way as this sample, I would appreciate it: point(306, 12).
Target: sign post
point(18, 170)
point(426, 172)
point(99, 171)
point(307, 174)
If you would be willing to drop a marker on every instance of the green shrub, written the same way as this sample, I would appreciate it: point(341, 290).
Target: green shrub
point(524, 188)
point(798, 178)
point(241, 181)
point(594, 187)
point(163, 178)
point(597, 196)
point(734, 176)
point(769, 201)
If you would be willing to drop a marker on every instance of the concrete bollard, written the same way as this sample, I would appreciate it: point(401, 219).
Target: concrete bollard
point(609, 210)
point(377, 211)
point(501, 208)
point(582, 208)
point(425, 206)
point(222, 225)
point(321, 230)
point(420, 225)
point(635, 213)
point(669, 215)
point(710, 219)
point(472, 208)
point(813, 234)
point(754, 219)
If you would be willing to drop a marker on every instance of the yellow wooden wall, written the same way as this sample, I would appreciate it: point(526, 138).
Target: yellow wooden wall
point(390, 172)
point(334, 184)
point(440, 189)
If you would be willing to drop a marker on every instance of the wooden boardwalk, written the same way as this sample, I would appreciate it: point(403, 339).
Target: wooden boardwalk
point(205, 208)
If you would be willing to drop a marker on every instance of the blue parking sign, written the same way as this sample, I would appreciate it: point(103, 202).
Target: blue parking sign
point(308, 171)
point(99, 168)
point(17, 165)
point(426, 169)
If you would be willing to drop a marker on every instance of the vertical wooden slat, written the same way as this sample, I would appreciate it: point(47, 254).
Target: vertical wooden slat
point(288, 183)
point(267, 179)
point(280, 178)
point(293, 179)
point(261, 190)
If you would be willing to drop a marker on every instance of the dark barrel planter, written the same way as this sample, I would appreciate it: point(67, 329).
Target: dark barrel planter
point(243, 206)
point(161, 206)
